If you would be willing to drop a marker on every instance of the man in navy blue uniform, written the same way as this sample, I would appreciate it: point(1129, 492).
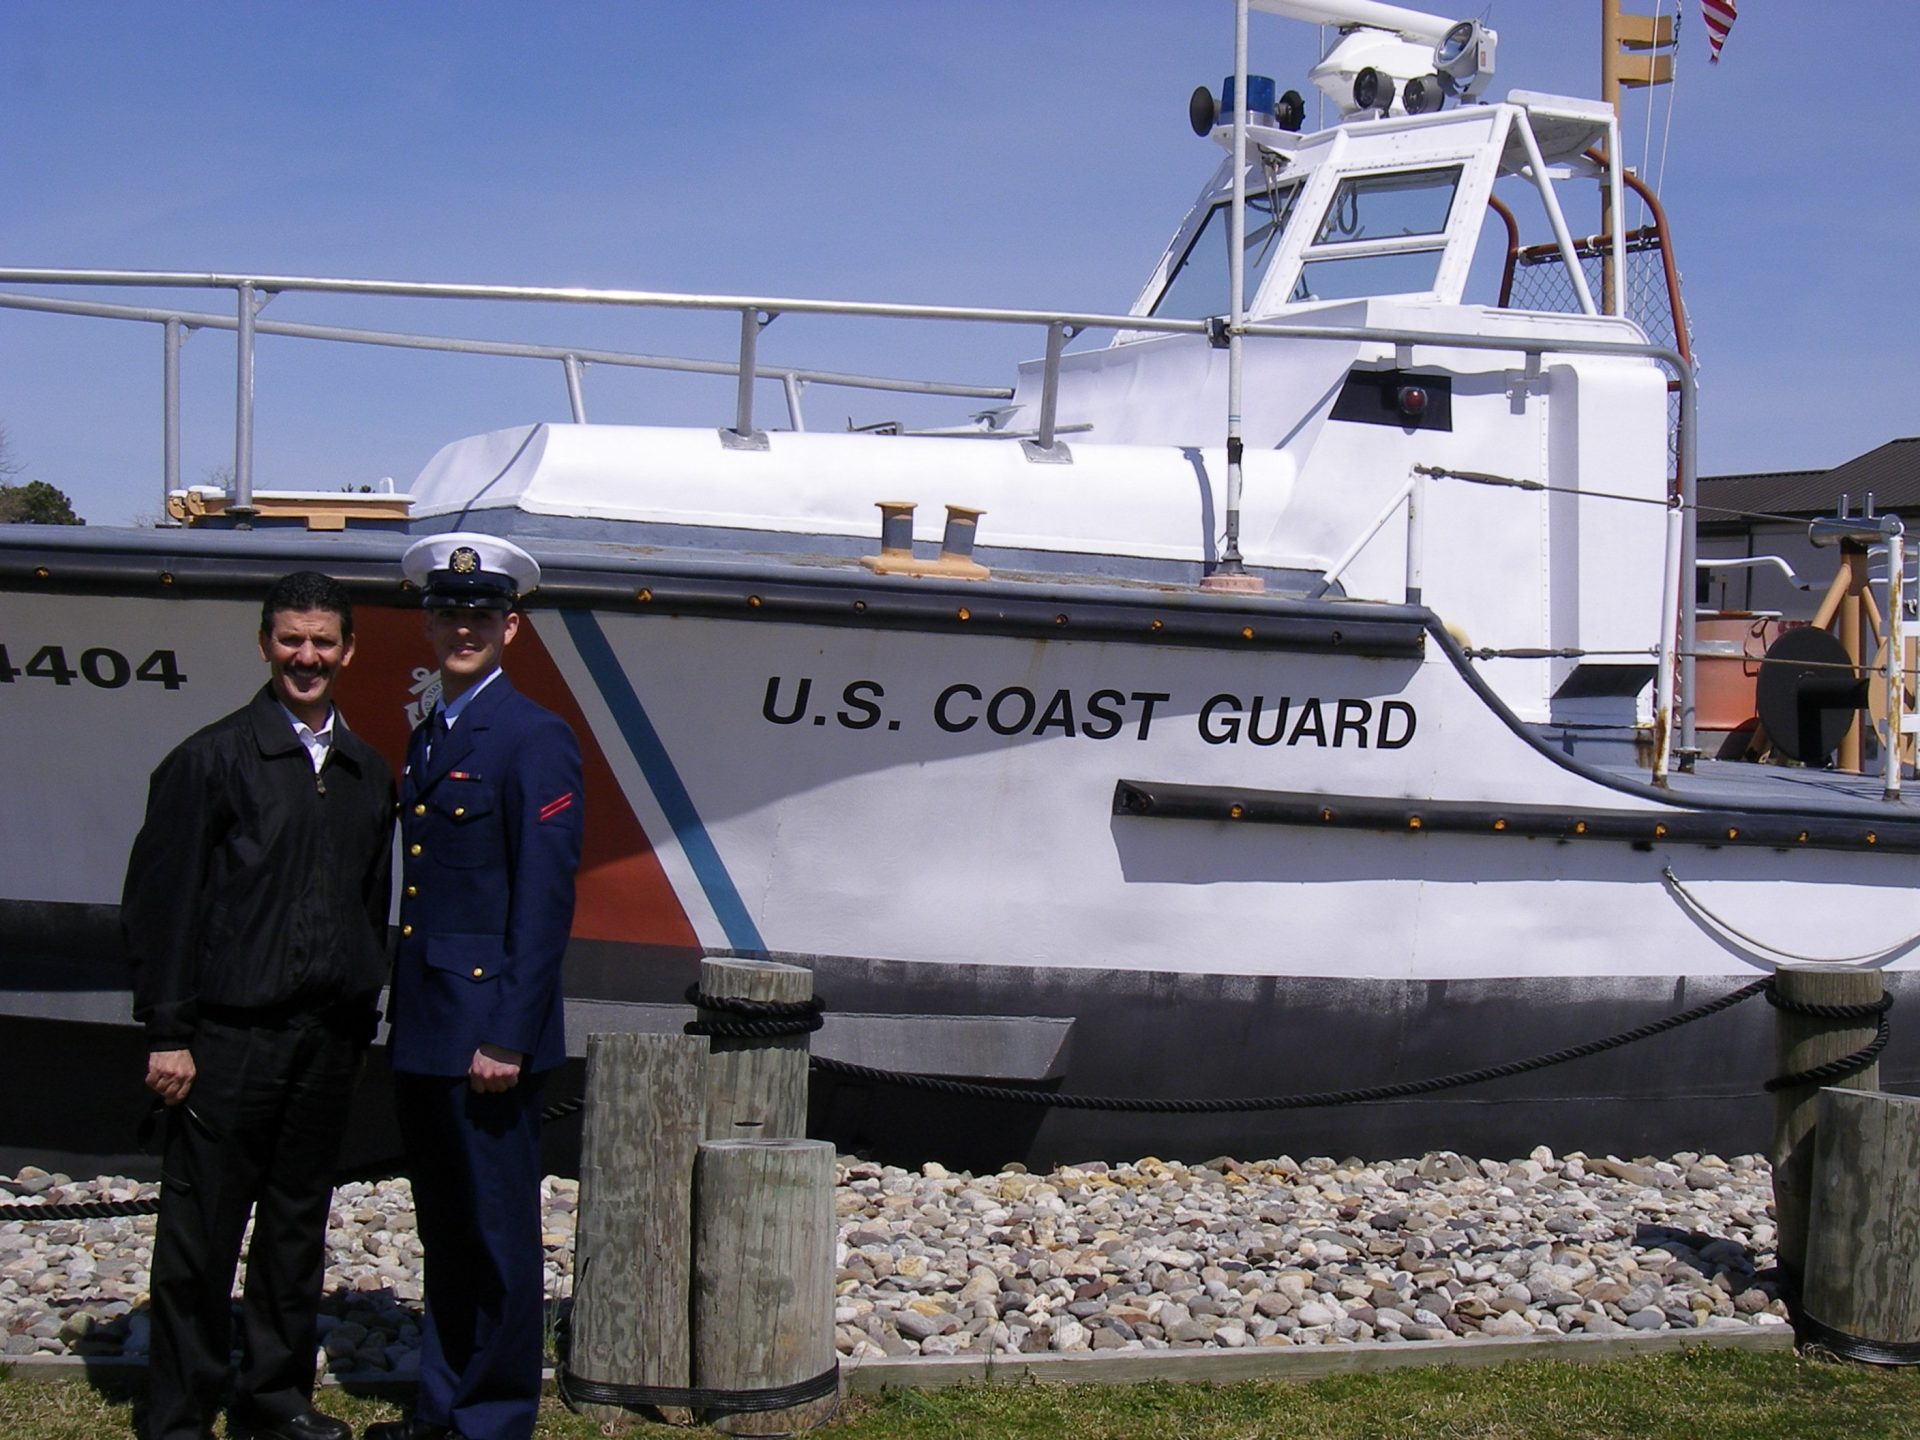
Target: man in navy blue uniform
point(490, 811)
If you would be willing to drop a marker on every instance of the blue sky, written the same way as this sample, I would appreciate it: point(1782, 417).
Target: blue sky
point(1017, 154)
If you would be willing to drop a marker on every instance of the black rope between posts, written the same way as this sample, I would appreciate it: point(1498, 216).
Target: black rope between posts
point(372, 1172)
point(85, 1210)
point(1311, 1100)
point(760, 1019)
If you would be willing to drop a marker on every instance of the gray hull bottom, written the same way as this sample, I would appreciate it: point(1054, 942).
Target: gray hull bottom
point(74, 1098)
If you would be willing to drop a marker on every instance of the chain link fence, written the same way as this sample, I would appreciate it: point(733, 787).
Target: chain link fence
point(1540, 280)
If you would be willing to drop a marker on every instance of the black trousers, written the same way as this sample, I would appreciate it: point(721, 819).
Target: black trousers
point(260, 1131)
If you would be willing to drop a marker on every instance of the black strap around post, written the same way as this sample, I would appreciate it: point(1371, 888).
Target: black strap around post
point(577, 1392)
point(1811, 1332)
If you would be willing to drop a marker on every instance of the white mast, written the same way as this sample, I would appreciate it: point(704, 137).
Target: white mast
point(1230, 573)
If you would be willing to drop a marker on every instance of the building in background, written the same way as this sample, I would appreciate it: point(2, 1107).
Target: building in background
point(1752, 516)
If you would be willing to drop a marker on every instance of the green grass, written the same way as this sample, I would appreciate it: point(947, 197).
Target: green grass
point(1695, 1395)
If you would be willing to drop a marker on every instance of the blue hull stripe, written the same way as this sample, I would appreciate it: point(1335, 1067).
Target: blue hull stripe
point(657, 766)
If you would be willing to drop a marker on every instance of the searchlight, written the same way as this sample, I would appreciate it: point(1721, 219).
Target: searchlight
point(1393, 60)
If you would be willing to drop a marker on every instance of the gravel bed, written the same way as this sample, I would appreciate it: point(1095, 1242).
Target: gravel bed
point(1150, 1255)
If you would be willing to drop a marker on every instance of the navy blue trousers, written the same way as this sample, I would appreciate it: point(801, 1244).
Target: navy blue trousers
point(474, 1161)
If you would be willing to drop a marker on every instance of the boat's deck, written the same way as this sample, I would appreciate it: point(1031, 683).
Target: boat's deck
point(1732, 784)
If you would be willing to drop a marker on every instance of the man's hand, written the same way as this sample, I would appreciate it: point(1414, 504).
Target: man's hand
point(170, 1074)
point(493, 1069)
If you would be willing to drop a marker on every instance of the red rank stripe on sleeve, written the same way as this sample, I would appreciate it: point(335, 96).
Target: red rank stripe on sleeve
point(556, 807)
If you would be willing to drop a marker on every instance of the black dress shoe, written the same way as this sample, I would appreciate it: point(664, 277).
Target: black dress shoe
point(411, 1428)
point(310, 1426)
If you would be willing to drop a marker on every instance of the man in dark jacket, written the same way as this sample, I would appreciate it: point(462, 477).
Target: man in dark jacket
point(490, 828)
point(255, 913)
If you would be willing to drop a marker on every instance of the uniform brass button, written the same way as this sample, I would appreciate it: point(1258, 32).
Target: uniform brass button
point(412, 891)
point(419, 809)
point(478, 972)
point(414, 849)
point(406, 929)
point(458, 811)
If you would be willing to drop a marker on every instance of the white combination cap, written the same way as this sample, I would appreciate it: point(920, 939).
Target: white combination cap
point(467, 568)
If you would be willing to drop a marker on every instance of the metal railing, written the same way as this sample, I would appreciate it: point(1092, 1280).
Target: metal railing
point(573, 359)
point(1679, 627)
point(756, 313)
point(252, 292)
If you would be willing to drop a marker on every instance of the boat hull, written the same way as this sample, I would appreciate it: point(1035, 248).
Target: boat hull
point(930, 794)
point(1141, 1034)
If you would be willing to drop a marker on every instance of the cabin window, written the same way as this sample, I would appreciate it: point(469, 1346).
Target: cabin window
point(1382, 235)
point(1401, 273)
point(1200, 285)
point(1390, 207)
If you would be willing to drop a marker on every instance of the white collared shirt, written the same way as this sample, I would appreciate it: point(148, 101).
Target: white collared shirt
point(453, 711)
point(317, 742)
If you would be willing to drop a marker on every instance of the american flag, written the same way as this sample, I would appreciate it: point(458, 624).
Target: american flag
point(1719, 15)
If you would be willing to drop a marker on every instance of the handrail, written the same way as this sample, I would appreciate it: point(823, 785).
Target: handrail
point(242, 506)
point(1057, 337)
point(1523, 127)
point(579, 295)
point(1676, 302)
point(1407, 494)
point(751, 308)
point(1508, 218)
point(1896, 644)
point(190, 320)
point(755, 313)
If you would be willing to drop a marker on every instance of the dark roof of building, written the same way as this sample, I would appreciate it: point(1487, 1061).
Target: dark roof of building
point(1891, 474)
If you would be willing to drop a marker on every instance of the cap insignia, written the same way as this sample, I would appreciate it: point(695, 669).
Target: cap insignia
point(464, 561)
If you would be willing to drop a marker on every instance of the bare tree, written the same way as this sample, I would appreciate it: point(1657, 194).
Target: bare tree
point(8, 465)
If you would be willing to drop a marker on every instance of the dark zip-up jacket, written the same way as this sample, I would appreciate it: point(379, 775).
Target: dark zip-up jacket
point(258, 889)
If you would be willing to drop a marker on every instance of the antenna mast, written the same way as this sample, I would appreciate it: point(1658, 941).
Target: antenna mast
point(1635, 51)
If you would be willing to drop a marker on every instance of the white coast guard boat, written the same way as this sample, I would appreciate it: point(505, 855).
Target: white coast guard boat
point(1313, 709)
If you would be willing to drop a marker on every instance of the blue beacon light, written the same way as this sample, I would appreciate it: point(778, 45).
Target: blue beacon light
point(1260, 97)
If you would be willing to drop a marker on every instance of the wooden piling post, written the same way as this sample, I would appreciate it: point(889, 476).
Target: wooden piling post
point(1805, 1042)
point(632, 1263)
point(1861, 1293)
point(756, 1086)
point(763, 1276)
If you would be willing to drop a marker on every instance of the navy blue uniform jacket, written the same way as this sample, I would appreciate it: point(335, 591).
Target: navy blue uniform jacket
point(490, 839)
